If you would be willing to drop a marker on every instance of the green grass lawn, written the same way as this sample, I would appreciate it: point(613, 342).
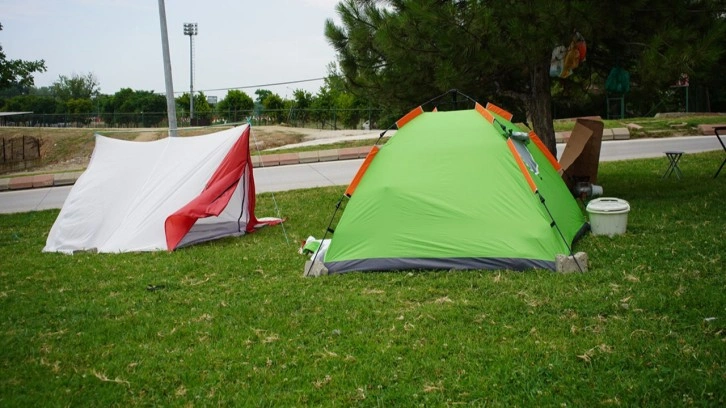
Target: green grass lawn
point(234, 322)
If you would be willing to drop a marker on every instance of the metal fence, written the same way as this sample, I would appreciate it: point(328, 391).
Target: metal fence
point(310, 118)
point(19, 153)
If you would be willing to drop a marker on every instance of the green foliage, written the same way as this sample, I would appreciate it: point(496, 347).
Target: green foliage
point(262, 94)
point(203, 111)
point(78, 109)
point(236, 106)
point(18, 72)
point(299, 107)
point(75, 87)
point(302, 99)
point(33, 103)
point(273, 101)
point(133, 107)
point(234, 323)
point(274, 107)
point(322, 106)
point(405, 52)
point(202, 108)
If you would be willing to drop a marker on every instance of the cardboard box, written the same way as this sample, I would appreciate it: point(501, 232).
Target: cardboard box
point(581, 156)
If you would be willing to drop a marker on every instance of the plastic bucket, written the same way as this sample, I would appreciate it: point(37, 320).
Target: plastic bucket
point(608, 216)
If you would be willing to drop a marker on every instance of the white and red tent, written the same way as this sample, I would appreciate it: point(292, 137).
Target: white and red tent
point(160, 195)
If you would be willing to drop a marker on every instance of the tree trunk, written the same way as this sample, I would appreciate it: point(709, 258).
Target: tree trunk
point(539, 106)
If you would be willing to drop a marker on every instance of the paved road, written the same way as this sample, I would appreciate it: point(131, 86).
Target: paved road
point(282, 178)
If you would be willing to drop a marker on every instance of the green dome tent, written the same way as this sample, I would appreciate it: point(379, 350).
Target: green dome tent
point(456, 190)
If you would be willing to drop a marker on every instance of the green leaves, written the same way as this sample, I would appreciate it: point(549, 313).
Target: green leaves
point(75, 87)
point(18, 72)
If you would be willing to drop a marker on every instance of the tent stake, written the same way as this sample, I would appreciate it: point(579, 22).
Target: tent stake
point(569, 248)
point(315, 255)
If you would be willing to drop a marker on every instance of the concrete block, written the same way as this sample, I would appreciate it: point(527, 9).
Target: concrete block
point(562, 137)
point(44, 180)
point(19, 183)
point(607, 134)
point(288, 158)
point(621, 134)
point(349, 153)
point(595, 117)
point(328, 155)
point(364, 150)
point(65, 179)
point(269, 160)
point(308, 157)
point(314, 268)
point(569, 264)
point(707, 130)
point(256, 161)
point(4, 184)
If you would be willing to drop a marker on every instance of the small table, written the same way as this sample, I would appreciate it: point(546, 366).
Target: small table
point(716, 130)
point(673, 158)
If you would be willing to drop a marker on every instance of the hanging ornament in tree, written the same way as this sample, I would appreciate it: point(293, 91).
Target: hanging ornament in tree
point(556, 63)
point(565, 60)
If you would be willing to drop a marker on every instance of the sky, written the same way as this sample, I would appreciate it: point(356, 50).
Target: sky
point(239, 44)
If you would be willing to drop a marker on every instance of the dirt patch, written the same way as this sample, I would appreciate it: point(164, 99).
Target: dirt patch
point(266, 137)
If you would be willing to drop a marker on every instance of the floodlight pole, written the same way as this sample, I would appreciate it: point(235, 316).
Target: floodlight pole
point(190, 29)
point(170, 102)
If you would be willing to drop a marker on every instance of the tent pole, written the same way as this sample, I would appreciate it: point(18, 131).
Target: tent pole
point(325, 235)
point(554, 224)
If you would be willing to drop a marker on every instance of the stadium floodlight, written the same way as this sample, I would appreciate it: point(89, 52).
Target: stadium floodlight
point(190, 29)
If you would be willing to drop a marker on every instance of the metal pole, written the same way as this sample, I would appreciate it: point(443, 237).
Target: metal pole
point(190, 29)
point(170, 102)
point(191, 77)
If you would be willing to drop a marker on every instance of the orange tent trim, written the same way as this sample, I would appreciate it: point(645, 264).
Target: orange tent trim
point(499, 111)
point(408, 117)
point(538, 142)
point(521, 165)
point(361, 171)
point(487, 115)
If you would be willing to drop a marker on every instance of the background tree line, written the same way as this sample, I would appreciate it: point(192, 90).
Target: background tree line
point(76, 101)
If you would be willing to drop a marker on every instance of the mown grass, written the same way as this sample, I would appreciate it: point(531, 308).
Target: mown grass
point(234, 322)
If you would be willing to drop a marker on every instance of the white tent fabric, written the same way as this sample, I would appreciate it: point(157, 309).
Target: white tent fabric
point(139, 196)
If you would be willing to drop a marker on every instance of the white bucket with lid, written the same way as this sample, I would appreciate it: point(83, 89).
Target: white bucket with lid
point(608, 216)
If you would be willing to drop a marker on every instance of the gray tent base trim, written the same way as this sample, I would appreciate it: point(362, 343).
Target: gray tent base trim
point(402, 264)
point(209, 232)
